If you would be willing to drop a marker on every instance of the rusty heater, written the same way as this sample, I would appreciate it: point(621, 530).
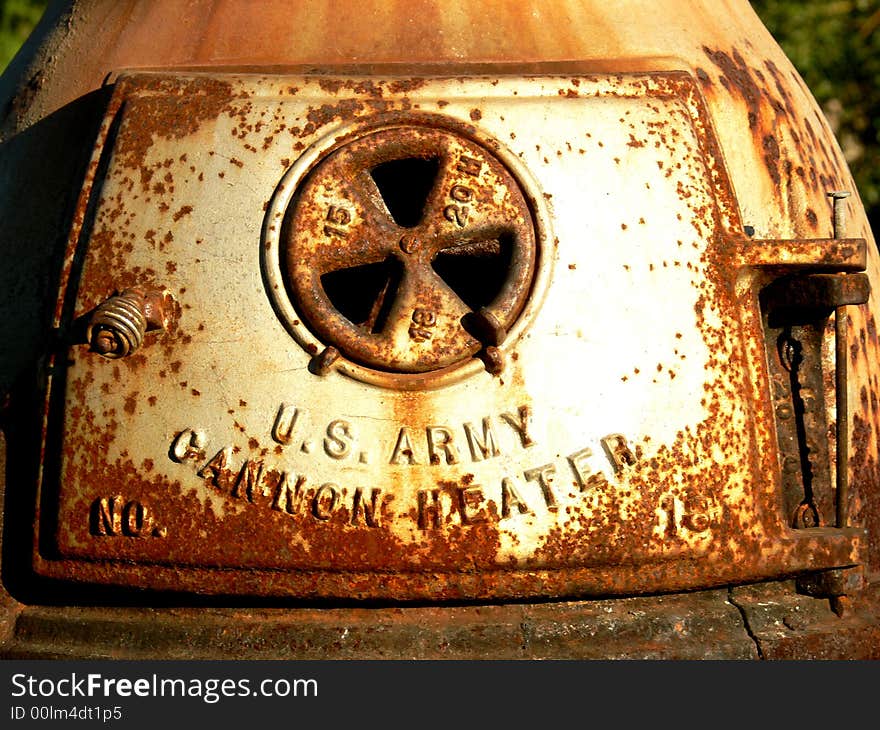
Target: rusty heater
point(428, 330)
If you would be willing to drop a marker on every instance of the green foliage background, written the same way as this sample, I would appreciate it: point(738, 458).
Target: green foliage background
point(835, 44)
point(17, 19)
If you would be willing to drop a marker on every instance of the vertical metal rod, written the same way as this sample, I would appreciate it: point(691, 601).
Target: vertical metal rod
point(840, 367)
point(839, 210)
point(842, 501)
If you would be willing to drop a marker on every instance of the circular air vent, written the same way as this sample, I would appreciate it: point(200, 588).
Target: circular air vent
point(407, 249)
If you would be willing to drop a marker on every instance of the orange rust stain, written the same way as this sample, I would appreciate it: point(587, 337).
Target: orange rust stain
point(184, 210)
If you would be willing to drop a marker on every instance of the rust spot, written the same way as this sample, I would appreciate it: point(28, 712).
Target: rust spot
point(736, 73)
point(131, 404)
point(184, 210)
point(25, 95)
point(327, 113)
point(771, 157)
point(176, 108)
point(633, 142)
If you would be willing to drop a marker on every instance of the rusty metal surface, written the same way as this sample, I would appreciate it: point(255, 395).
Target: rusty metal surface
point(357, 483)
point(767, 621)
point(118, 325)
point(546, 449)
point(341, 226)
point(697, 626)
point(786, 625)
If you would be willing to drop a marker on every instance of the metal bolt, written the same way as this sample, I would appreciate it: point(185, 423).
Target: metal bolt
point(806, 516)
point(104, 343)
point(790, 353)
point(487, 328)
point(839, 208)
point(841, 605)
point(323, 362)
point(409, 243)
point(494, 360)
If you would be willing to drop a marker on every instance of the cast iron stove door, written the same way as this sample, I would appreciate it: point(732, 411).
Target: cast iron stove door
point(427, 338)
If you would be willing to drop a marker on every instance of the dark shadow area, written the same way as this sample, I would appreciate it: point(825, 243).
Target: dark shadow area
point(794, 340)
point(405, 186)
point(476, 272)
point(47, 163)
point(364, 294)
